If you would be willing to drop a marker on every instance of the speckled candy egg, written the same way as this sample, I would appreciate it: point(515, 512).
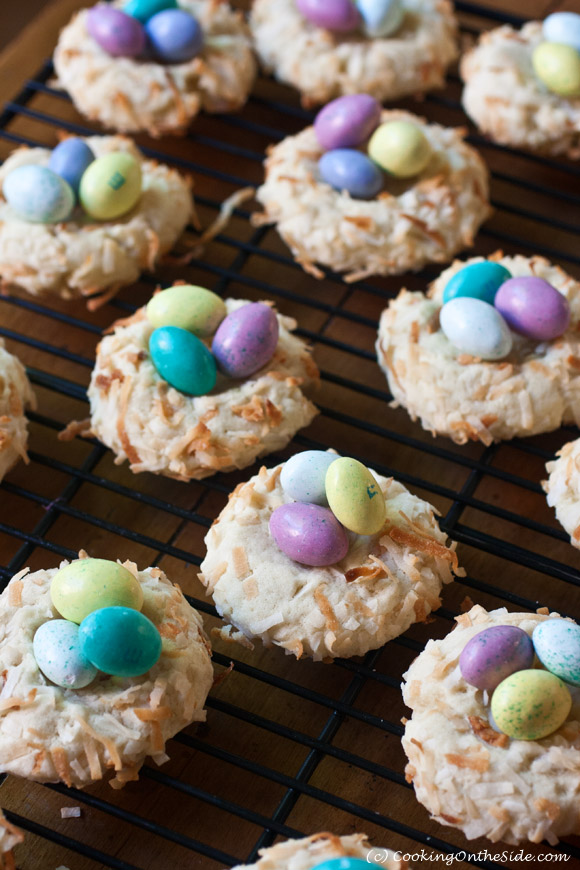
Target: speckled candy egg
point(476, 328)
point(183, 360)
point(343, 864)
point(58, 654)
point(190, 307)
point(558, 66)
point(309, 534)
point(111, 186)
point(494, 654)
point(347, 121)
point(119, 34)
point(246, 340)
point(478, 280)
point(303, 476)
point(89, 584)
point(346, 169)
point(38, 194)
point(381, 17)
point(70, 159)
point(143, 10)
point(557, 645)
point(339, 15)
point(533, 307)
point(174, 36)
point(562, 27)
point(120, 641)
point(400, 148)
point(532, 704)
point(355, 497)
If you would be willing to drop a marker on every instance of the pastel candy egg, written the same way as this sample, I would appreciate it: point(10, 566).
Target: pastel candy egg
point(400, 148)
point(183, 360)
point(174, 35)
point(478, 280)
point(557, 645)
point(345, 169)
point(531, 704)
point(190, 307)
point(143, 10)
point(354, 496)
point(562, 27)
point(246, 340)
point(303, 476)
point(38, 194)
point(309, 534)
point(339, 15)
point(117, 33)
point(380, 17)
point(343, 864)
point(120, 641)
point(494, 654)
point(476, 328)
point(111, 186)
point(347, 121)
point(70, 159)
point(533, 307)
point(58, 654)
point(558, 66)
point(89, 584)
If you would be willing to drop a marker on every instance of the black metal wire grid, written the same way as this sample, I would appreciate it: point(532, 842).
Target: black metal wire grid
point(289, 747)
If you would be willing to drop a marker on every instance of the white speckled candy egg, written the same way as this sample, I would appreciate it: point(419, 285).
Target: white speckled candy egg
point(476, 328)
point(303, 476)
point(532, 704)
point(562, 27)
point(381, 17)
point(557, 645)
point(38, 194)
point(58, 655)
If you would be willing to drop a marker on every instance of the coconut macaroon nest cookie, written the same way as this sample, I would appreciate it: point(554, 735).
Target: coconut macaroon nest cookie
point(491, 353)
point(324, 558)
point(354, 48)
point(15, 395)
point(563, 489)
point(131, 71)
point(101, 664)
point(419, 196)
point(310, 853)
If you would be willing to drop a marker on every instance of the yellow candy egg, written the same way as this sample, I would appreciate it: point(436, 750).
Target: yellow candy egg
point(354, 496)
point(400, 148)
point(90, 584)
point(111, 186)
point(190, 307)
point(558, 66)
point(530, 704)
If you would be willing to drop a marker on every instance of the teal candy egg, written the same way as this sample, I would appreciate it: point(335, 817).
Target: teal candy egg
point(120, 641)
point(38, 194)
point(58, 654)
point(303, 476)
point(143, 10)
point(190, 307)
point(343, 864)
point(478, 280)
point(183, 360)
point(557, 645)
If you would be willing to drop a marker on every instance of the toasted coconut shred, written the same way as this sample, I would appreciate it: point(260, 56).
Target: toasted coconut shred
point(15, 395)
point(563, 489)
point(468, 775)
point(311, 851)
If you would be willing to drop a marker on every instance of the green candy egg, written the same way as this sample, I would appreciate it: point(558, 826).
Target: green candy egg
point(400, 148)
point(530, 704)
point(111, 186)
point(90, 584)
point(143, 10)
point(354, 496)
point(558, 66)
point(190, 307)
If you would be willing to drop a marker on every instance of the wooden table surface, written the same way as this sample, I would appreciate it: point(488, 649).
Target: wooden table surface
point(331, 731)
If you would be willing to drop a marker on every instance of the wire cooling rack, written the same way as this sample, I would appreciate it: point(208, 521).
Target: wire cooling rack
point(289, 747)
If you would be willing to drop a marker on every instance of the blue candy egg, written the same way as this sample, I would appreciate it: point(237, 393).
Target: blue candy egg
point(120, 641)
point(70, 159)
point(562, 27)
point(174, 36)
point(478, 280)
point(58, 654)
point(557, 645)
point(347, 169)
point(38, 194)
point(303, 476)
point(183, 360)
point(343, 864)
point(246, 340)
point(381, 17)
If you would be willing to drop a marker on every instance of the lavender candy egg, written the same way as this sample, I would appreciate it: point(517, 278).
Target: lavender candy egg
point(246, 340)
point(339, 15)
point(533, 308)
point(309, 534)
point(347, 122)
point(494, 654)
point(350, 170)
point(70, 159)
point(174, 36)
point(117, 33)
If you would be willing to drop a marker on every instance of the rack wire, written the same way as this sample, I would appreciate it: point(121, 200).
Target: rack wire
point(289, 747)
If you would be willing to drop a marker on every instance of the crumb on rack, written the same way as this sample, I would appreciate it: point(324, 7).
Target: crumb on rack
point(70, 812)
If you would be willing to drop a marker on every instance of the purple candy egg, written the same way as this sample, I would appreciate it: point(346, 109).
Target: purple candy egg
point(494, 654)
point(246, 340)
point(309, 534)
point(339, 15)
point(347, 122)
point(118, 34)
point(533, 308)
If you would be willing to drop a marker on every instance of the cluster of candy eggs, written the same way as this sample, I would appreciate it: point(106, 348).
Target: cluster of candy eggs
point(101, 630)
point(483, 303)
point(330, 496)
point(194, 336)
point(106, 187)
point(398, 149)
point(375, 18)
point(556, 60)
point(527, 702)
point(145, 29)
